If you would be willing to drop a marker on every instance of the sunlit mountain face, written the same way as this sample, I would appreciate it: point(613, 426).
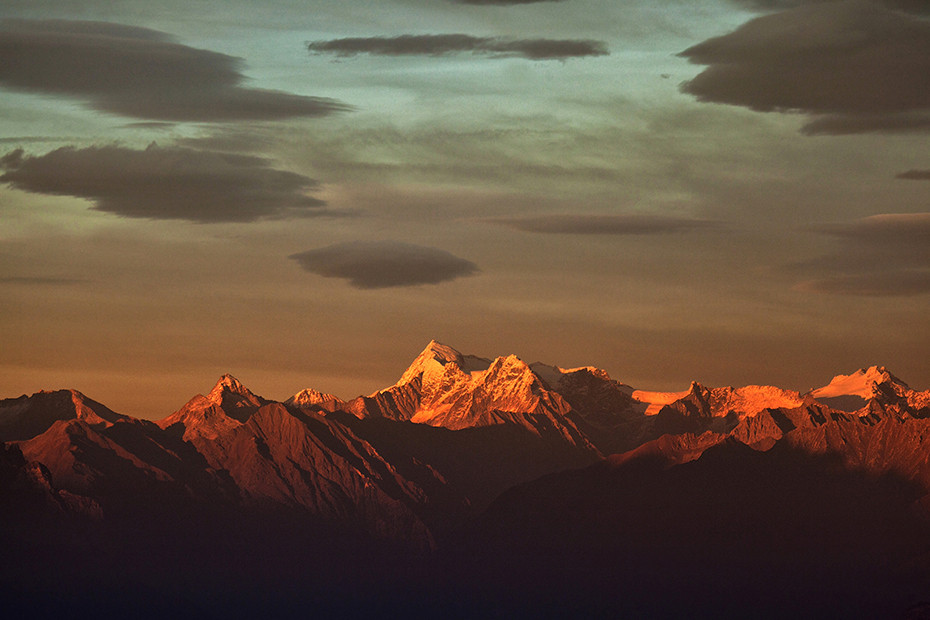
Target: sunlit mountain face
point(474, 486)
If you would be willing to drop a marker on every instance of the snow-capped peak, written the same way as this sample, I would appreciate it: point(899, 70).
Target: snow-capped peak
point(433, 358)
point(228, 383)
point(656, 400)
point(431, 363)
point(861, 383)
point(229, 392)
point(310, 397)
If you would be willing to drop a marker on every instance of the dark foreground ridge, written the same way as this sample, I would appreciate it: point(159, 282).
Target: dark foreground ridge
point(473, 488)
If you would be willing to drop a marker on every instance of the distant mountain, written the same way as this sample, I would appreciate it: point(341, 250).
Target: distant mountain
point(293, 458)
point(493, 480)
point(27, 416)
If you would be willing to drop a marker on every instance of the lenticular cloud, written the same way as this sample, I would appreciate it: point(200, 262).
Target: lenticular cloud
point(139, 73)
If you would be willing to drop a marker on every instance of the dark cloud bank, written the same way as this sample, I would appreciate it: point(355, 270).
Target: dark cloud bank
point(854, 66)
point(915, 175)
point(881, 255)
point(139, 73)
point(165, 182)
point(443, 44)
point(384, 264)
point(602, 224)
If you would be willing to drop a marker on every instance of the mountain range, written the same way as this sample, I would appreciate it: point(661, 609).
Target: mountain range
point(474, 487)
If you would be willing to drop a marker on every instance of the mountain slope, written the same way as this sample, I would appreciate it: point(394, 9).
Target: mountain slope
point(734, 533)
point(27, 416)
point(284, 458)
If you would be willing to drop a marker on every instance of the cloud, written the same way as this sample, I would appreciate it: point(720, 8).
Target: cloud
point(502, 2)
point(602, 224)
point(902, 228)
point(854, 66)
point(915, 175)
point(39, 280)
point(139, 73)
point(892, 123)
point(384, 264)
point(443, 44)
point(881, 255)
point(913, 6)
point(165, 182)
point(891, 284)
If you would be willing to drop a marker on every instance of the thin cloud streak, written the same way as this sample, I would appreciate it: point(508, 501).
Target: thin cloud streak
point(139, 73)
point(912, 6)
point(839, 125)
point(502, 2)
point(165, 183)
point(384, 264)
point(903, 283)
point(902, 228)
point(824, 60)
point(40, 280)
point(445, 44)
point(882, 255)
point(603, 224)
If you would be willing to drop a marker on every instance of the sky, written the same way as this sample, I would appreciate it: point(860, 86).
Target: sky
point(304, 194)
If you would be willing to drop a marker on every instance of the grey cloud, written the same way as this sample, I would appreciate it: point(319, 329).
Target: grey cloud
point(139, 73)
point(165, 183)
point(881, 255)
point(839, 125)
point(442, 44)
point(856, 65)
point(503, 2)
point(915, 175)
point(384, 264)
point(914, 6)
point(603, 224)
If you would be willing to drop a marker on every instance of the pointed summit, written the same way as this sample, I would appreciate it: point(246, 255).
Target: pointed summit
point(228, 405)
point(231, 395)
point(432, 361)
point(228, 384)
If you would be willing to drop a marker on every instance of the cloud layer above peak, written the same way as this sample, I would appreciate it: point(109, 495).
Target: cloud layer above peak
point(384, 264)
point(138, 72)
point(855, 66)
point(881, 255)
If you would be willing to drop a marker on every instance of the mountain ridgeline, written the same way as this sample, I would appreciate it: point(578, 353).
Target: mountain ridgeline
point(476, 486)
